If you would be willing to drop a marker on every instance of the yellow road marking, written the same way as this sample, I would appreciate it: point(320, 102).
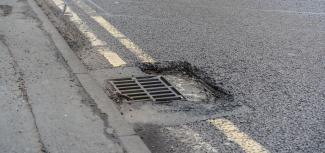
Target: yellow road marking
point(101, 46)
point(135, 49)
point(111, 56)
point(235, 135)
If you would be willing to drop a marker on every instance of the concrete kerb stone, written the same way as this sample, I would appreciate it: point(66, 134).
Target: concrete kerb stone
point(121, 127)
point(69, 56)
point(127, 136)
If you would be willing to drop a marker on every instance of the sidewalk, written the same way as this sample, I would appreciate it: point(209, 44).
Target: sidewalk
point(43, 106)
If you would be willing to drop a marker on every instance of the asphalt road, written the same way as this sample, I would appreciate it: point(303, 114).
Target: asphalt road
point(270, 54)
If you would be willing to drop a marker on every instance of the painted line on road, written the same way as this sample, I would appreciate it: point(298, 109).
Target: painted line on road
point(125, 41)
point(101, 46)
point(192, 138)
point(235, 135)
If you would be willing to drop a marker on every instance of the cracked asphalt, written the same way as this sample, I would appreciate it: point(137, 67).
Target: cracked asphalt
point(270, 54)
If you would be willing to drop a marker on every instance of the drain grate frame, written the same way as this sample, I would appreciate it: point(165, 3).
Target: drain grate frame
point(5, 10)
point(146, 88)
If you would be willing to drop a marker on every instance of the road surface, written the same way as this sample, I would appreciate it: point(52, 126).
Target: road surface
point(270, 54)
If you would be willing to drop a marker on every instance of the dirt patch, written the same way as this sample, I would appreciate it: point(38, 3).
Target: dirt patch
point(5, 10)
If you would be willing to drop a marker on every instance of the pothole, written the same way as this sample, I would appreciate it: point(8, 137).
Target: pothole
point(5, 10)
point(179, 80)
point(192, 82)
point(202, 98)
point(190, 88)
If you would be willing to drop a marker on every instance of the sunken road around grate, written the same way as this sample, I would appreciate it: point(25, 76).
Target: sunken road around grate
point(136, 104)
point(146, 88)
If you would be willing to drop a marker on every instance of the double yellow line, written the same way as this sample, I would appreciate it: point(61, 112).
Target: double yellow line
point(227, 127)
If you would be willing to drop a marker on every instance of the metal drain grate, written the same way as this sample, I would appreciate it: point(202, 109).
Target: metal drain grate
point(154, 88)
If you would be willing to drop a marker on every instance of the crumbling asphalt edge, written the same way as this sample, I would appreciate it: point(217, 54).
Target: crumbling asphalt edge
point(129, 140)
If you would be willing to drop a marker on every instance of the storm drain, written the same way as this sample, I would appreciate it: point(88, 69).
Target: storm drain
point(146, 88)
point(5, 10)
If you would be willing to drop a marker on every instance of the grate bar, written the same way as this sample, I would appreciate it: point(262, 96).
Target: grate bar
point(165, 81)
point(178, 93)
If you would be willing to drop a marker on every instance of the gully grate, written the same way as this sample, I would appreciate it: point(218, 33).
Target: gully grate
point(146, 88)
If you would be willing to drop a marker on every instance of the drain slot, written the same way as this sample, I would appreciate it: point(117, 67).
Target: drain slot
point(166, 82)
point(169, 99)
point(122, 79)
point(138, 94)
point(126, 85)
point(141, 98)
point(154, 88)
point(124, 82)
point(131, 91)
point(128, 88)
point(161, 96)
point(149, 83)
